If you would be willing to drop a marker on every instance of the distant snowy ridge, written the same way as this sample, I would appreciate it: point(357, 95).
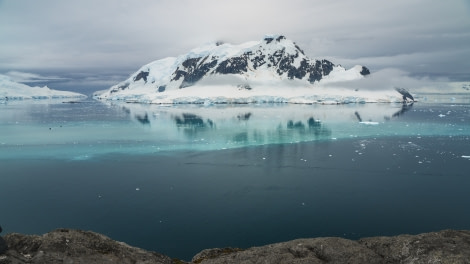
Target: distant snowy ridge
point(10, 90)
point(274, 69)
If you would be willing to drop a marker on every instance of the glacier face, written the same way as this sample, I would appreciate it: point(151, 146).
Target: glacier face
point(263, 71)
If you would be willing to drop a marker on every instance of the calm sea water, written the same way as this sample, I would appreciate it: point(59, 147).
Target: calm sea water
point(180, 179)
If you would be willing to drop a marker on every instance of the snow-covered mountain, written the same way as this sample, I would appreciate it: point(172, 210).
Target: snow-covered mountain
point(274, 69)
point(10, 90)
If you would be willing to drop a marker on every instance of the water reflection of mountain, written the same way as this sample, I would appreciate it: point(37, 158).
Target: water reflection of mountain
point(144, 120)
point(192, 124)
point(257, 124)
point(313, 127)
point(405, 108)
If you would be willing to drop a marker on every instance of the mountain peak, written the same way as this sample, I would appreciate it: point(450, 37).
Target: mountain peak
point(274, 58)
point(270, 38)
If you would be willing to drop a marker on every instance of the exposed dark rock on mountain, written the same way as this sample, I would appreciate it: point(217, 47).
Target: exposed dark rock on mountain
point(74, 246)
point(141, 75)
point(279, 59)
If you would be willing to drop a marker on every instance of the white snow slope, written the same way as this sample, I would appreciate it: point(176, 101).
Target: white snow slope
point(10, 90)
point(273, 70)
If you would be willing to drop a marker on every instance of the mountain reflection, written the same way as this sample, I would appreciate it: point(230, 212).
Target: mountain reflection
point(244, 117)
point(241, 125)
point(192, 124)
point(314, 127)
point(405, 108)
point(144, 120)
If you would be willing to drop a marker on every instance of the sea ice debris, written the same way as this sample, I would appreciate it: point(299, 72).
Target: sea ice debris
point(370, 123)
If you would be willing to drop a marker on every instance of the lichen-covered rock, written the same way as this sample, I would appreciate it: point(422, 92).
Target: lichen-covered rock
point(448, 246)
point(315, 250)
point(74, 246)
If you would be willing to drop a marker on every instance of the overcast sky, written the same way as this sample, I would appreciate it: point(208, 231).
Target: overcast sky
point(96, 43)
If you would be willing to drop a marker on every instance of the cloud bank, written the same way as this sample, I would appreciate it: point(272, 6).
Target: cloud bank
point(115, 37)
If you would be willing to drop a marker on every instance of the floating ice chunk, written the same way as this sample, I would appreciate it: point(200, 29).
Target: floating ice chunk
point(465, 157)
point(369, 123)
point(82, 157)
point(137, 189)
point(441, 115)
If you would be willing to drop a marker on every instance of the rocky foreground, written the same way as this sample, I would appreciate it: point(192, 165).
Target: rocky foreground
point(76, 246)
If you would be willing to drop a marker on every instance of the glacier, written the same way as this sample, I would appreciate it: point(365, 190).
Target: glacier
point(10, 90)
point(273, 70)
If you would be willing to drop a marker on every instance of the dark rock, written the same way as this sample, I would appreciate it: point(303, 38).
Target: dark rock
point(213, 253)
point(193, 69)
point(141, 75)
point(74, 246)
point(161, 88)
point(120, 88)
point(318, 250)
point(268, 40)
point(446, 246)
point(235, 65)
point(278, 39)
point(3, 246)
point(244, 87)
point(364, 71)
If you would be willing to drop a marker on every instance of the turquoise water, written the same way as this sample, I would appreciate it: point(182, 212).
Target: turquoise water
point(89, 129)
point(180, 179)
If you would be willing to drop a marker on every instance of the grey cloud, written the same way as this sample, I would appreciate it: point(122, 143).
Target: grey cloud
point(389, 78)
point(25, 77)
point(119, 36)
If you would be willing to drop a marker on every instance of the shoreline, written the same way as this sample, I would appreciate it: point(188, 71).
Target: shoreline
point(77, 246)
